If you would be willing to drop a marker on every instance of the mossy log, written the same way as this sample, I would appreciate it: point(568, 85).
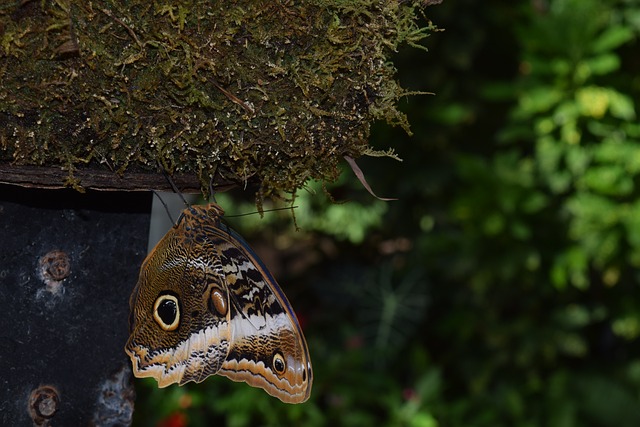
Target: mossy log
point(240, 92)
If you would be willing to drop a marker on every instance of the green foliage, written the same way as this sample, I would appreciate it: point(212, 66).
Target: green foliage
point(584, 133)
point(501, 288)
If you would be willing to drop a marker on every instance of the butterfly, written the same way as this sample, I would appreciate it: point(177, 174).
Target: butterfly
point(205, 304)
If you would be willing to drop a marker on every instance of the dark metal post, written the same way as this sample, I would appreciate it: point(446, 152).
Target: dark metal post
point(68, 262)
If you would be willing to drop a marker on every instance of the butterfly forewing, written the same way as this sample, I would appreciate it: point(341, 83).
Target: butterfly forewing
point(205, 304)
point(196, 347)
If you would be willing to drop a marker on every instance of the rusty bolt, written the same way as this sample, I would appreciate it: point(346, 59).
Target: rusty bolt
point(43, 404)
point(55, 266)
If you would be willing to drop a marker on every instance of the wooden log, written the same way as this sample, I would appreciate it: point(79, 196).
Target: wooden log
point(98, 179)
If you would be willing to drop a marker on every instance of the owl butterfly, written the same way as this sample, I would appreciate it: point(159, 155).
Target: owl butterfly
point(205, 304)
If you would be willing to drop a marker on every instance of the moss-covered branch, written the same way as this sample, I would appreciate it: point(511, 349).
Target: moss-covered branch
point(271, 92)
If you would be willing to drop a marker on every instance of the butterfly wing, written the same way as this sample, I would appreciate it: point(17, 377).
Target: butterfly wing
point(205, 304)
point(179, 282)
point(268, 349)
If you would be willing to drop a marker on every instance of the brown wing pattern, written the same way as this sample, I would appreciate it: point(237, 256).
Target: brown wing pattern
point(233, 318)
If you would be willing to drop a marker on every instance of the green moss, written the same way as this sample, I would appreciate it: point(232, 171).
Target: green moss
point(269, 92)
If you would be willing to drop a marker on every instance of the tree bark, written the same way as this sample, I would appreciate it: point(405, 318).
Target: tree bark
point(96, 179)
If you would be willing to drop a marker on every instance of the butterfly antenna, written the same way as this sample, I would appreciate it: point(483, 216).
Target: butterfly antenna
point(173, 185)
point(166, 208)
point(266, 210)
point(212, 193)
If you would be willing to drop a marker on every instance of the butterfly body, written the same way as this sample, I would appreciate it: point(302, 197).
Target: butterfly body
point(205, 304)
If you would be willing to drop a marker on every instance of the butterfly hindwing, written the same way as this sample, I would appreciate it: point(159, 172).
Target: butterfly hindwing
point(268, 349)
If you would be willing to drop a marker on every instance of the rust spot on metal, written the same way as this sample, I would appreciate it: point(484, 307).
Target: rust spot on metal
point(54, 267)
point(43, 404)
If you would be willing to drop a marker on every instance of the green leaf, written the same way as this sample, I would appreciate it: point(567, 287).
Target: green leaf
point(622, 106)
point(608, 179)
point(540, 99)
point(612, 38)
point(423, 419)
point(603, 64)
point(593, 101)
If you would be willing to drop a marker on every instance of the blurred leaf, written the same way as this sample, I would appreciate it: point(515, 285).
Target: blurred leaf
point(603, 64)
point(540, 99)
point(609, 179)
point(612, 38)
point(608, 402)
point(622, 106)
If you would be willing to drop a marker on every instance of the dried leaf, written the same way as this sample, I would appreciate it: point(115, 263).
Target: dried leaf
point(358, 172)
